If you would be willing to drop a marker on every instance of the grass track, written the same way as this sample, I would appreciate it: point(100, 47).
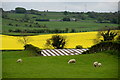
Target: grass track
point(57, 67)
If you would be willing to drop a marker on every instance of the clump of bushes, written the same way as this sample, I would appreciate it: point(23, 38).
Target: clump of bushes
point(78, 47)
point(32, 48)
point(66, 19)
point(10, 24)
point(42, 19)
point(104, 46)
point(20, 10)
point(113, 52)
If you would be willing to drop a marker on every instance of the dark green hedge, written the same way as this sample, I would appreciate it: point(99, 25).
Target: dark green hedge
point(42, 19)
point(78, 47)
point(32, 48)
point(20, 10)
point(66, 19)
point(104, 46)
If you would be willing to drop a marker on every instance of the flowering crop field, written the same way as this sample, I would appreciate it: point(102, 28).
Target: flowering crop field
point(84, 38)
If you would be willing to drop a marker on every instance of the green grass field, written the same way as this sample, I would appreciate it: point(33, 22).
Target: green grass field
point(88, 24)
point(57, 66)
point(78, 26)
point(47, 15)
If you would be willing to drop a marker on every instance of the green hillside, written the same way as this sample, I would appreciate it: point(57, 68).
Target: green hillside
point(57, 66)
point(41, 22)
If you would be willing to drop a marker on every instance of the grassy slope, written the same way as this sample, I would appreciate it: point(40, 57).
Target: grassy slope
point(57, 67)
point(83, 25)
point(78, 26)
point(48, 15)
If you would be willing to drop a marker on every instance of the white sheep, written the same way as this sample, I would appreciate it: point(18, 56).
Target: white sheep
point(19, 60)
point(95, 64)
point(99, 64)
point(72, 61)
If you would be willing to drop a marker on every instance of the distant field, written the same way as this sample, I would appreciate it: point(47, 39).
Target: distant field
point(48, 15)
point(86, 25)
point(77, 26)
point(57, 67)
point(73, 39)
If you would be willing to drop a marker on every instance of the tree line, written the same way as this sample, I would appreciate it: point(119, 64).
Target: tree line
point(66, 30)
point(111, 17)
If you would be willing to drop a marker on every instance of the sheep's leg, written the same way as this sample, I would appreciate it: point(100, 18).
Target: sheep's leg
point(95, 66)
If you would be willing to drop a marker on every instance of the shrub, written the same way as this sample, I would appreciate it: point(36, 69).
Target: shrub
point(20, 10)
point(32, 48)
point(17, 30)
point(10, 24)
point(104, 46)
point(66, 19)
point(10, 30)
point(16, 25)
point(73, 31)
point(42, 19)
point(113, 52)
point(78, 47)
point(56, 41)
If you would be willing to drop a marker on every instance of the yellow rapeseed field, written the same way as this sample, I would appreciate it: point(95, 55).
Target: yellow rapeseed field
point(85, 39)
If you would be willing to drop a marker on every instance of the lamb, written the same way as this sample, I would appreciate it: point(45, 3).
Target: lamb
point(19, 60)
point(72, 61)
point(99, 64)
point(95, 64)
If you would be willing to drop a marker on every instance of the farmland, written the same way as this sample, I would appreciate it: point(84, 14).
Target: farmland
point(16, 23)
point(57, 66)
point(76, 28)
point(86, 39)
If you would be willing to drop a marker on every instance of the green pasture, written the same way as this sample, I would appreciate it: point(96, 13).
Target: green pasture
point(57, 66)
point(78, 26)
point(48, 15)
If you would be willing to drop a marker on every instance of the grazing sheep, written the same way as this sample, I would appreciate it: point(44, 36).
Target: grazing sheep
point(72, 61)
point(95, 64)
point(99, 64)
point(19, 60)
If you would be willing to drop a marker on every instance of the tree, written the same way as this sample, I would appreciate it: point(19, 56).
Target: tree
point(66, 19)
point(81, 16)
point(106, 35)
point(1, 10)
point(4, 15)
point(73, 30)
point(65, 13)
point(24, 40)
point(26, 17)
point(20, 10)
point(99, 19)
point(78, 47)
point(56, 41)
point(66, 30)
point(118, 38)
point(32, 11)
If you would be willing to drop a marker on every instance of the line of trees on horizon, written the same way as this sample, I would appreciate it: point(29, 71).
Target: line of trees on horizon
point(101, 17)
